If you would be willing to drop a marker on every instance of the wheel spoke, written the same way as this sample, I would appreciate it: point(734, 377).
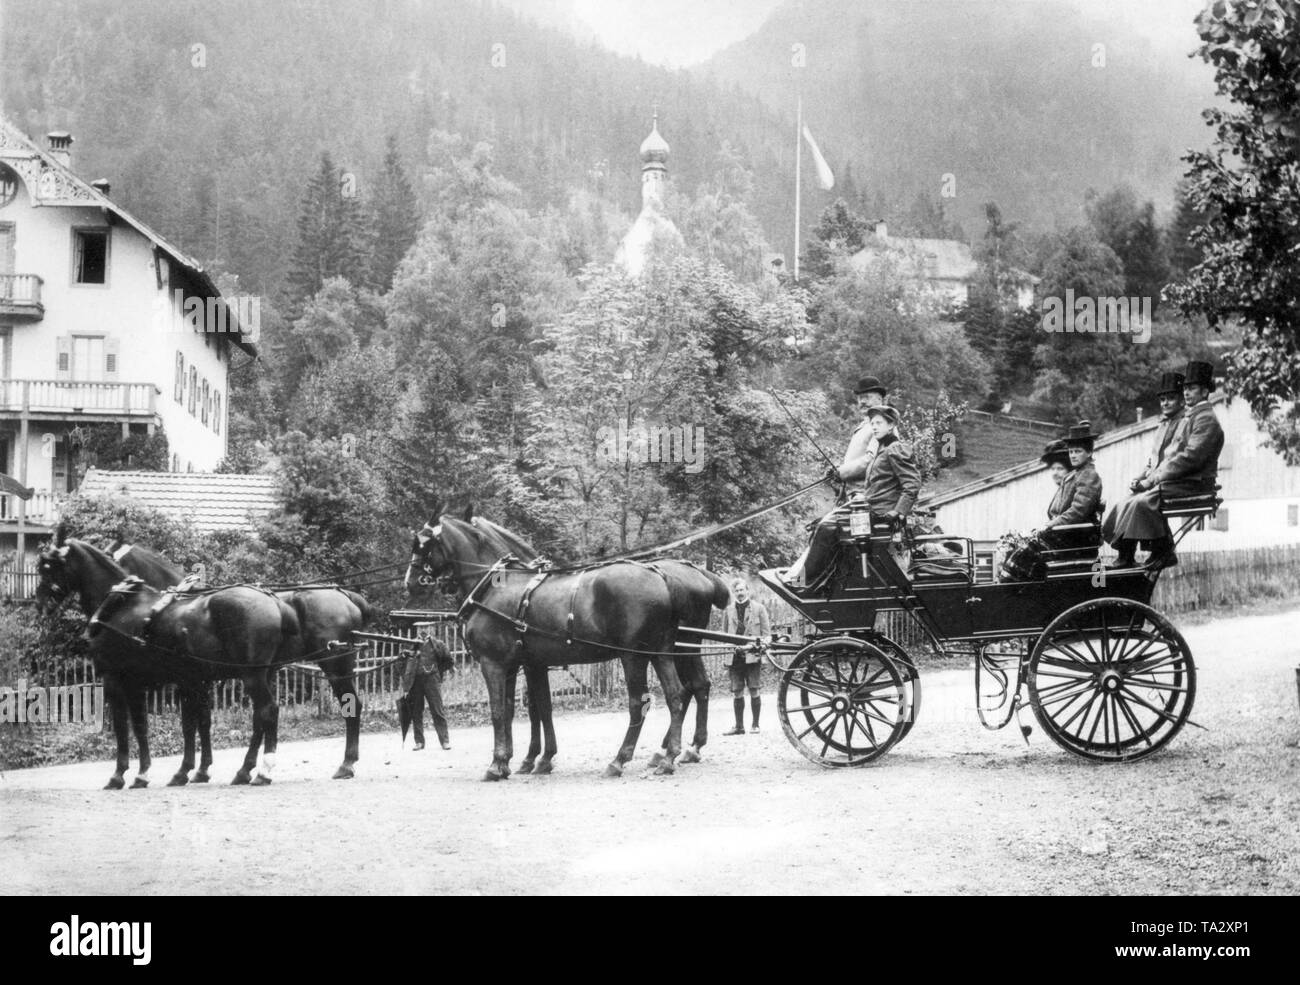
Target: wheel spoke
point(1138, 731)
point(1157, 686)
point(807, 708)
point(1137, 699)
point(1058, 697)
point(1079, 657)
point(807, 687)
point(816, 723)
point(1084, 711)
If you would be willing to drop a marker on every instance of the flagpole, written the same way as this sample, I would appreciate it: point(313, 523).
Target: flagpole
point(798, 167)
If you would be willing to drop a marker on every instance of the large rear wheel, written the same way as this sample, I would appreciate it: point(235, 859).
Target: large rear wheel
point(843, 702)
point(1111, 680)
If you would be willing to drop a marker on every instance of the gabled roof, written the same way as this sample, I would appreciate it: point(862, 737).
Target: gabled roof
point(209, 501)
point(940, 259)
point(75, 192)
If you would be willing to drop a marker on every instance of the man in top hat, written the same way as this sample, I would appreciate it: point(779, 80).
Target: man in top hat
point(868, 393)
point(1184, 462)
point(862, 449)
point(893, 482)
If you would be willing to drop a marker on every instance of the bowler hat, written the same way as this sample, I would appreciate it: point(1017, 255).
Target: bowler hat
point(1055, 453)
point(1081, 434)
point(868, 384)
point(1199, 374)
point(885, 411)
point(1170, 382)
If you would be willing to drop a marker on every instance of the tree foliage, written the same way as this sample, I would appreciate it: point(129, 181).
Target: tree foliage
point(1247, 187)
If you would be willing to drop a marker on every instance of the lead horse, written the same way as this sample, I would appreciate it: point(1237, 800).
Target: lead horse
point(326, 614)
point(516, 616)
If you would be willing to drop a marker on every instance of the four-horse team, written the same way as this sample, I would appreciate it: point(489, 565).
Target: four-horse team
point(1108, 677)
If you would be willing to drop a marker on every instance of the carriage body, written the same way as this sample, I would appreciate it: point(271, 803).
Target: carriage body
point(1107, 676)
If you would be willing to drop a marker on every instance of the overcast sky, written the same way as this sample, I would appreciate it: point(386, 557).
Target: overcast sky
point(681, 32)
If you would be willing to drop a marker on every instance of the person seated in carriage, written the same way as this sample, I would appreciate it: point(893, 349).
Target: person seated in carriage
point(1184, 462)
point(868, 393)
point(1078, 495)
point(892, 484)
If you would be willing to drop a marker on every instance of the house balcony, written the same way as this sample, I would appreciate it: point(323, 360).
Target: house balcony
point(78, 400)
point(20, 297)
point(41, 511)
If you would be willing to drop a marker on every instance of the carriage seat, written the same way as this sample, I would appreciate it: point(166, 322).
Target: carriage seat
point(1082, 552)
point(1196, 505)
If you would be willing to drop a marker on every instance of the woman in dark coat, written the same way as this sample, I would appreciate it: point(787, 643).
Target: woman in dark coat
point(1078, 499)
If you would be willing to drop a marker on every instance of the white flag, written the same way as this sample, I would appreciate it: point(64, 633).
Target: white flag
point(824, 176)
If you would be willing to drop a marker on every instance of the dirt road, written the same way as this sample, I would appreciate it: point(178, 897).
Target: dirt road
point(953, 809)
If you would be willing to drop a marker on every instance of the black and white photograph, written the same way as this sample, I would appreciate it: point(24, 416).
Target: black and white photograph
point(661, 448)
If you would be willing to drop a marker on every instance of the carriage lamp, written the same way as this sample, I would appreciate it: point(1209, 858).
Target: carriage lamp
point(860, 521)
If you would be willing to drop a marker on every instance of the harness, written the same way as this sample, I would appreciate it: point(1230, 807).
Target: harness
point(519, 620)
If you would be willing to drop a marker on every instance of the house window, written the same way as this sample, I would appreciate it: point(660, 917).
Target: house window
point(179, 390)
point(88, 358)
point(216, 412)
point(205, 403)
point(90, 256)
point(194, 391)
point(1293, 515)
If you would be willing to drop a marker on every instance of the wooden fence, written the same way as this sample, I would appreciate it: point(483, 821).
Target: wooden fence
point(1199, 581)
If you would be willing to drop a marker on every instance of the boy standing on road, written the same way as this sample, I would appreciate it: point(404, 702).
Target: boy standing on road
point(745, 616)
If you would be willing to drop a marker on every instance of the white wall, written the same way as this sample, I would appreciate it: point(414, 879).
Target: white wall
point(126, 308)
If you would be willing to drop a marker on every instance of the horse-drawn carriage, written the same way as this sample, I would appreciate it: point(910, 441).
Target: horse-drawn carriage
point(1108, 677)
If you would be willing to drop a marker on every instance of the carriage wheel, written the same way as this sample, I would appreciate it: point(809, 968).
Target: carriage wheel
point(843, 702)
point(911, 680)
point(1112, 680)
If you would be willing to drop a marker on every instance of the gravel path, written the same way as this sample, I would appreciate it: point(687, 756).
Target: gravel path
point(953, 809)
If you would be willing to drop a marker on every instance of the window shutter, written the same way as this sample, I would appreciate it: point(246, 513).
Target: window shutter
point(216, 417)
point(64, 366)
point(178, 391)
point(112, 360)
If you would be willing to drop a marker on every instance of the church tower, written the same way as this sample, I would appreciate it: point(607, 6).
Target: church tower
point(652, 229)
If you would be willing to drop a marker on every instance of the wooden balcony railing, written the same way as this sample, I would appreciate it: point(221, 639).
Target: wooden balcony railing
point(79, 396)
point(20, 296)
point(40, 509)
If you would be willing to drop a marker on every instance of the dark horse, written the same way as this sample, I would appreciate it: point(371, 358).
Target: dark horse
point(622, 609)
point(71, 568)
point(142, 638)
point(326, 614)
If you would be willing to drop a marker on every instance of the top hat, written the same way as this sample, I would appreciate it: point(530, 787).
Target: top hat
point(1199, 374)
point(1082, 435)
point(1170, 382)
point(869, 383)
point(885, 411)
point(1055, 453)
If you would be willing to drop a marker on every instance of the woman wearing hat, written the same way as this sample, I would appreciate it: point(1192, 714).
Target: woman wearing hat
point(1078, 499)
point(1057, 459)
point(1187, 465)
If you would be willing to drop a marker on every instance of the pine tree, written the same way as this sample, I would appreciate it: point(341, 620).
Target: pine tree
point(330, 231)
point(395, 218)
